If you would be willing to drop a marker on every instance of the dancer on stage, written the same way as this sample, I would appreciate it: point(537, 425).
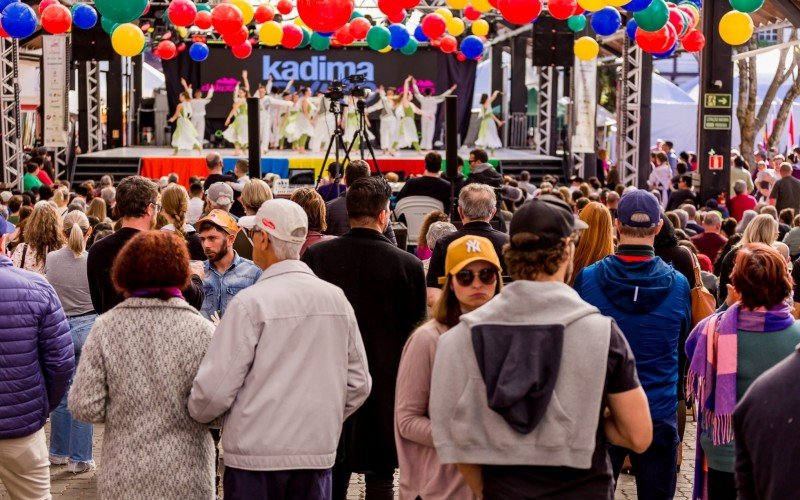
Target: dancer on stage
point(488, 138)
point(267, 105)
point(324, 125)
point(407, 129)
point(429, 104)
point(185, 136)
point(236, 122)
point(387, 101)
point(350, 124)
point(199, 104)
point(302, 127)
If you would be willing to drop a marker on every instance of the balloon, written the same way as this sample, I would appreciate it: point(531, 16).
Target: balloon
point(319, 42)
point(270, 33)
point(637, 5)
point(226, 18)
point(182, 12)
point(386, 49)
point(694, 41)
point(378, 37)
point(397, 17)
point(471, 47)
point(242, 51)
point(480, 28)
point(285, 7)
point(264, 13)
point(325, 15)
point(410, 47)
point(56, 19)
point(654, 17)
point(653, 42)
point(448, 44)
point(457, 4)
point(237, 37)
point(562, 9)
point(127, 40)
point(676, 19)
point(747, 6)
point(419, 35)
point(606, 21)
point(520, 11)
point(45, 4)
point(388, 6)
point(455, 26)
point(434, 26)
point(202, 7)
point(6, 3)
point(203, 20)
point(592, 5)
point(577, 23)
point(586, 48)
point(630, 29)
point(471, 14)
point(691, 12)
point(108, 25)
point(198, 52)
point(667, 53)
point(356, 14)
point(461, 57)
point(445, 13)
point(306, 38)
point(482, 5)
point(344, 35)
point(166, 49)
point(735, 28)
point(292, 36)
point(121, 11)
point(3, 33)
point(359, 28)
point(617, 3)
point(247, 9)
point(399, 36)
point(84, 16)
point(19, 20)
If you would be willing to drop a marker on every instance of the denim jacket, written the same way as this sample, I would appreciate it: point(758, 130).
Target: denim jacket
point(221, 288)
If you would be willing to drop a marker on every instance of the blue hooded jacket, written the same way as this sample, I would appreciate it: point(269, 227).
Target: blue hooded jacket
point(651, 303)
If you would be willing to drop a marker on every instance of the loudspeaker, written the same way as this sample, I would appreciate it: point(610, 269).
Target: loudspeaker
point(552, 43)
point(91, 44)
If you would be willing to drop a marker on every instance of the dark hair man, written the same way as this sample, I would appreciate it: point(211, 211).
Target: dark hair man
point(386, 287)
point(214, 165)
point(542, 357)
point(327, 191)
point(786, 191)
point(683, 194)
point(430, 184)
point(481, 171)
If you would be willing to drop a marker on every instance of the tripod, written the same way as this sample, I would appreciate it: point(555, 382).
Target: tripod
point(362, 137)
point(335, 143)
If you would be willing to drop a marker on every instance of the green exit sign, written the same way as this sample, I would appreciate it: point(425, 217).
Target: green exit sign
point(723, 101)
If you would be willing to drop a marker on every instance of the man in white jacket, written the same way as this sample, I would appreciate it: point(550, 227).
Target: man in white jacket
point(286, 367)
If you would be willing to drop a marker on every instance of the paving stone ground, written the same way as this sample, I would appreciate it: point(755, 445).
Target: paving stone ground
point(66, 486)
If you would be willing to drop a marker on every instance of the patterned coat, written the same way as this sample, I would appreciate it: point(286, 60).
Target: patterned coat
point(135, 374)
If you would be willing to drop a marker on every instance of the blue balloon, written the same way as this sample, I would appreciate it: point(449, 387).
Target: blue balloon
point(84, 16)
point(325, 34)
point(19, 20)
point(668, 53)
point(419, 35)
point(630, 29)
point(399, 37)
point(472, 47)
point(6, 3)
point(637, 5)
point(198, 52)
point(606, 21)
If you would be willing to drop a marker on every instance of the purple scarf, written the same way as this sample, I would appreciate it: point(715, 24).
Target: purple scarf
point(712, 351)
point(172, 291)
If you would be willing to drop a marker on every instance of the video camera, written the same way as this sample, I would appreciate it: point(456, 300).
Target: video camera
point(337, 90)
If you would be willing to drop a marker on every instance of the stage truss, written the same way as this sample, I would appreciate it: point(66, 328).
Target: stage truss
point(546, 99)
point(93, 105)
point(10, 122)
point(630, 114)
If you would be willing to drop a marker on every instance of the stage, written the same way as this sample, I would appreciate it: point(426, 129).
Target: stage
point(156, 162)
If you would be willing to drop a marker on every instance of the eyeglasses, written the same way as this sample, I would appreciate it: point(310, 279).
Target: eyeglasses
point(157, 207)
point(252, 231)
point(488, 276)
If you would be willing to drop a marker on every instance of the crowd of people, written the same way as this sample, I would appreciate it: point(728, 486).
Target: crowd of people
point(540, 338)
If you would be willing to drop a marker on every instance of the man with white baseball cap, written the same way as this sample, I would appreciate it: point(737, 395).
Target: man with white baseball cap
point(220, 195)
point(286, 366)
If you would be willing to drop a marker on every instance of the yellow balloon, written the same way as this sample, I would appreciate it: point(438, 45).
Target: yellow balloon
point(735, 28)
point(592, 5)
point(127, 40)
point(586, 48)
point(247, 10)
point(481, 5)
point(617, 3)
point(480, 28)
point(182, 32)
point(445, 13)
point(457, 4)
point(270, 33)
point(455, 26)
point(386, 49)
point(300, 22)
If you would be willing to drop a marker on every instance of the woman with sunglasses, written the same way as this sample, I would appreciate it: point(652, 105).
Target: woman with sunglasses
point(472, 278)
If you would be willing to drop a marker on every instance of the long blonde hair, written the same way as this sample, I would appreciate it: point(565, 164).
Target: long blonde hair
point(597, 242)
point(175, 203)
point(762, 229)
point(61, 196)
point(44, 231)
point(76, 224)
point(97, 209)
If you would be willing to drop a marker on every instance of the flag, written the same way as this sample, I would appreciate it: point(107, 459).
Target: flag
point(791, 131)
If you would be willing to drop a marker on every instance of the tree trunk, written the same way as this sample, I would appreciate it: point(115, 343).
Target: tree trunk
point(746, 106)
point(783, 112)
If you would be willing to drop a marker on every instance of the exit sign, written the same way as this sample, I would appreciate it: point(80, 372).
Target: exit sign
point(720, 101)
point(717, 122)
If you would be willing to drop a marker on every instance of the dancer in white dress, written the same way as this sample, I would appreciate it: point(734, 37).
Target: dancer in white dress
point(407, 128)
point(236, 121)
point(429, 104)
point(488, 138)
point(185, 136)
point(324, 126)
point(267, 106)
point(387, 101)
point(350, 125)
point(199, 104)
point(302, 127)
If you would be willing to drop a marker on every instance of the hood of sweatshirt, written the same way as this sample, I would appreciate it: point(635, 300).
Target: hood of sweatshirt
point(635, 287)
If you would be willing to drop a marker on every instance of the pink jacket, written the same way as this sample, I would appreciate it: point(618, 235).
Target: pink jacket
point(421, 474)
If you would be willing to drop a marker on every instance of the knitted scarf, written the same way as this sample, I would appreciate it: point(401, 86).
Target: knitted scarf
point(171, 291)
point(712, 351)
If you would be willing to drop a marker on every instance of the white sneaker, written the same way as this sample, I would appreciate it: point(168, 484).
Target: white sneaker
point(57, 460)
point(80, 467)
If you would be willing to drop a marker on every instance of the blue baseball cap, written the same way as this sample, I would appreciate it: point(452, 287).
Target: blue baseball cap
point(639, 208)
point(5, 226)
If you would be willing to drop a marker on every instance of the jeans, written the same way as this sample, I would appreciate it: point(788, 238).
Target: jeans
point(655, 469)
point(69, 437)
point(277, 485)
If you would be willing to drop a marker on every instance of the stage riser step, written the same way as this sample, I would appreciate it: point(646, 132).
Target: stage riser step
point(88, 168)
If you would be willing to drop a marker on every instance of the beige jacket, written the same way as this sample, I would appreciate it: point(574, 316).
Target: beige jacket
point(285, 367)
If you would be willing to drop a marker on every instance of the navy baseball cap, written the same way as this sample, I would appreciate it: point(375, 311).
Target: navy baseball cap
point(639, 208)
point(548, 217)
point(5, 226)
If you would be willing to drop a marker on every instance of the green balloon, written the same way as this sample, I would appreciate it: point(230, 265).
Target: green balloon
point(410, 47)
point(319, 42)
point(108, 25)
point(378, 37)
point(356, 14)
point(654, 17)
point(121, 11)
point(577, 23)
point(306, 39)
point(203, 6)
point(747, 5)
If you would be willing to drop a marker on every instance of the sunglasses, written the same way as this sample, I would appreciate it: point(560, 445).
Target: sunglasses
point(488, 276)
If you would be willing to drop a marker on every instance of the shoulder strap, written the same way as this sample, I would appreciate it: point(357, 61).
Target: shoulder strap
point(698, 281)
point(24, 253)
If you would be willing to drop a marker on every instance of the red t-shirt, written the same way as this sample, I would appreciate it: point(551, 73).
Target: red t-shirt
point(739, 203)
point(46, 180)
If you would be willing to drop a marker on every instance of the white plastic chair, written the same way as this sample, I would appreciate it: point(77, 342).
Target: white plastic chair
point(414, 209)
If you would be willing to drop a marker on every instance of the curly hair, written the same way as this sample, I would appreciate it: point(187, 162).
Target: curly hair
point(761, 276)
point(44, 231)
point(152, 259)
point(314, 206)
point(528, 264)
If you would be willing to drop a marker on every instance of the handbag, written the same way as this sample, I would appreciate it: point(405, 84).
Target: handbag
point(703, 303)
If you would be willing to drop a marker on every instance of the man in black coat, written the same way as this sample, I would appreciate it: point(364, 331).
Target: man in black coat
point(386, 287)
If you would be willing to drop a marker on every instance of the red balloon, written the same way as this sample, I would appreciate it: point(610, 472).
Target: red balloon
point(243, 50)
point(461, 57)
point(654, 42)
point(325, 16)
point(694, 41)
point(408, 4)
point(292, 36)
point(181, 47)
point(676, 20)
point(689, 12)
point(203, 20)
point(45, 4)
point(182, 12)
point(433, 26)
point(146, 9)
point(471, 14)
point(493, 3)
point(344, 35)
point(562, 9)
point(359, 28)
point(578, 10)
point(237, 37)
point(166, 50)
point(397, 17)
point(672, 36)
point(3, 32)
point(520, 11)
point(264, 13)
point(226, 18)
point(285, 7)
point(448, 44)
point(389, 6)
point(56, 19)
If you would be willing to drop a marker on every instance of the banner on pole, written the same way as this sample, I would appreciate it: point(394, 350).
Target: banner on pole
point(585, 106)
point(54, 67)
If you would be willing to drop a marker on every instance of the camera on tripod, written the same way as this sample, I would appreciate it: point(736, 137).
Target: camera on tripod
point(337, 90)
